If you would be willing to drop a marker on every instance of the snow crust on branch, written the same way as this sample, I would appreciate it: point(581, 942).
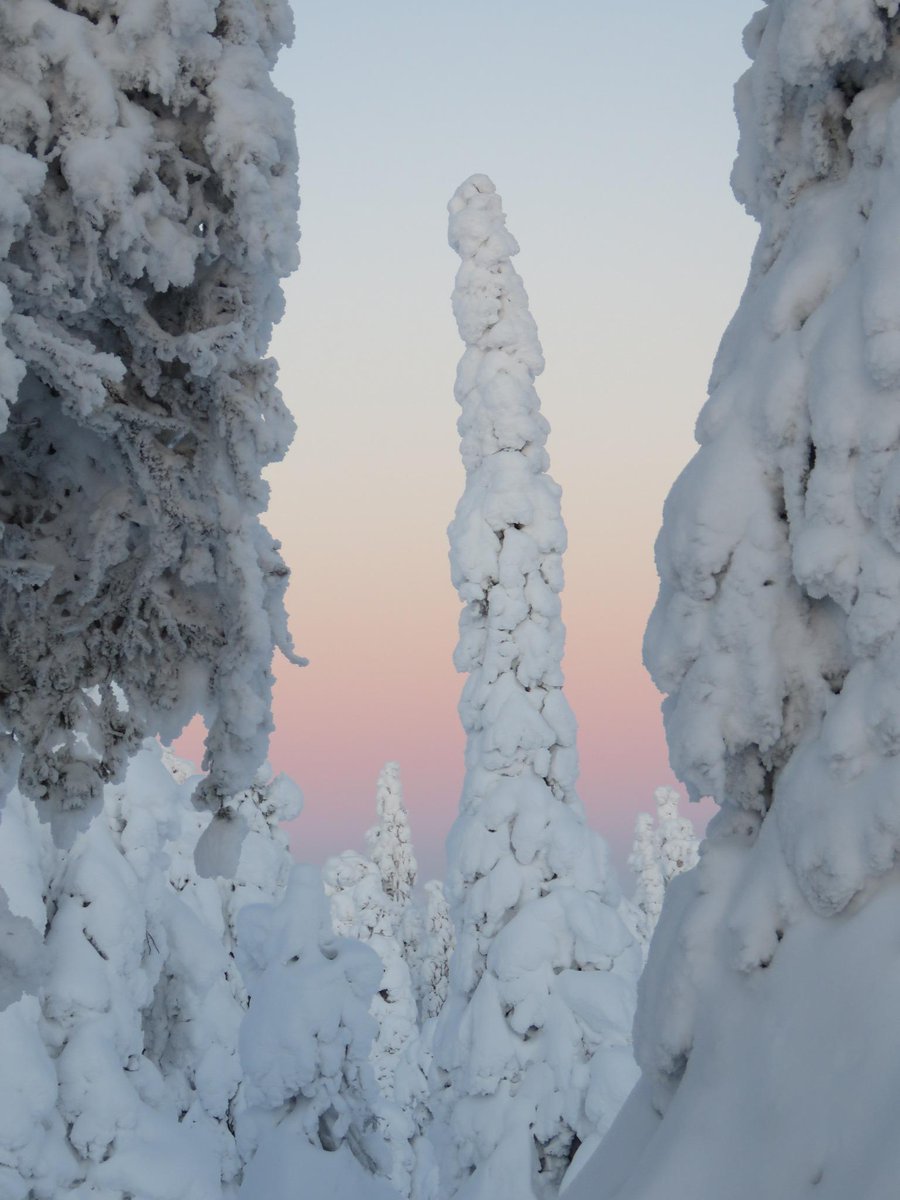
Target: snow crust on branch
point(147, 212)
point(533, 1038)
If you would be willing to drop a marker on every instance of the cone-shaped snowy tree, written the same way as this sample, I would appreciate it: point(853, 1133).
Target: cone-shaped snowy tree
point(437, 947)
point(391, 850)
point(662, 849)
point(766, 1026)
point(361, 909)
point(534, 1036)
point(390, 841)
point(147, 212)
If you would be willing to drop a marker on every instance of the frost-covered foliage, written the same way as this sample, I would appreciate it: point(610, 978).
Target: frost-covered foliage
point(764, 1027)
point(305, 1040)
point(121, 1053)
point(121, 1003)
point(390, 847)
point(147, 212)
point(676, 839)
point(641, 912)
point(662, 849)
point(533, 1040)
point(361, 909)
point(389, 842)
point(437, 946)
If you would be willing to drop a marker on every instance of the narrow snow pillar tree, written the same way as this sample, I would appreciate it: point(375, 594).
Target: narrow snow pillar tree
point(533, 1040)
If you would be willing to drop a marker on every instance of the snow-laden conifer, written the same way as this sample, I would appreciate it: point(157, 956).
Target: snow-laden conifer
point(361, 909)
point(533, 1039)
point(641, 912)
point(437, 946)
point(662, 849)
point(123, 1042)
point(147, 212)
point(390, 847)
point(677, 843)
point(766, 1013)
point(389, 842)
point(305, 1039)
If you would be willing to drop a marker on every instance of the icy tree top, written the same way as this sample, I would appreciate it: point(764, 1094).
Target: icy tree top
point(147, 212)
point(390, 841)
point(776, 629)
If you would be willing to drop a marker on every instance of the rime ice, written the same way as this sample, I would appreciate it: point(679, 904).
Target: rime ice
point(147, 214)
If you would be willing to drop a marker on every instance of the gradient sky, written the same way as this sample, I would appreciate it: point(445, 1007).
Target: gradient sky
point(609, 132)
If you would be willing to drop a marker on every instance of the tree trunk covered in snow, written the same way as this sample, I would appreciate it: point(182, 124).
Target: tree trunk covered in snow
point(766, 1009)
point(147, 212)
point(533, 1038)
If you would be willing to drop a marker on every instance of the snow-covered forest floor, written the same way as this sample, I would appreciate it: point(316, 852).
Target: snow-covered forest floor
point(186, 1012)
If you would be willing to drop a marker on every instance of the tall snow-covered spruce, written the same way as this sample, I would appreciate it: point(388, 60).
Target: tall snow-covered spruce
point(147, 212)
point(533, 1041)
point(766, 1027)
point(390, 841)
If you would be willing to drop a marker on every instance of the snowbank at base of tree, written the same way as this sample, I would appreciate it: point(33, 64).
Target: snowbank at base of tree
point(787, 1023)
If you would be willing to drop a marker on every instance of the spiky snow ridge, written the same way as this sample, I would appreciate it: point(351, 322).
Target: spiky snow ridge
point(534, 1036)
point(765, 1026)
point(147, 212)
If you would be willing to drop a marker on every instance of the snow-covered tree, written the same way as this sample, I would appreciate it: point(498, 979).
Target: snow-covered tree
point(533, 1040)
point(147, 212)
point(390, 847)
point(304, 1043)
point(765, 1028)
point(389, 842)
point(361, 909)
point(437, 946)
point(123, 1042)
point(662, 849)
point(641, 912)
point(678, 847)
